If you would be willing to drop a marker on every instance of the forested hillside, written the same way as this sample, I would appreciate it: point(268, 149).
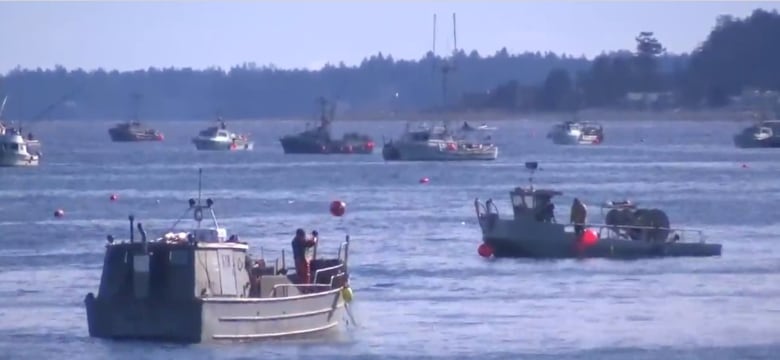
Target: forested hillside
point(738, 53)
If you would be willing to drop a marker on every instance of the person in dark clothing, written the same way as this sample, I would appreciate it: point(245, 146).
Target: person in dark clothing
point(302, 265)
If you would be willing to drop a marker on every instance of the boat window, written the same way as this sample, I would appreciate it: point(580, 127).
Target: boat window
point(518, 201)
point(209, 132)
point(179, 257)
point(15, 147)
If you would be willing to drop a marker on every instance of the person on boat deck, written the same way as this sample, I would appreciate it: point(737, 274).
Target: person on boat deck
point(579, 214)
point(30, 136)
point(545, 209)
point(302, 265)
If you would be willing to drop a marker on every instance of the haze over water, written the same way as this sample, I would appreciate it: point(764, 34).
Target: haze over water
point(421, 290)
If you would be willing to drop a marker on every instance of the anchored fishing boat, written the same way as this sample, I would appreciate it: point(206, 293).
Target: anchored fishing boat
point(320, 141)
point(134, 131)
point(628, 231)
point(14, 150)
point(763, 134)
point(436, 143)
point(577, 133)
point(220, 138)
point(201, 285)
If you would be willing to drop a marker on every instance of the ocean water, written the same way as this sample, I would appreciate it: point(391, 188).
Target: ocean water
point(421, 290)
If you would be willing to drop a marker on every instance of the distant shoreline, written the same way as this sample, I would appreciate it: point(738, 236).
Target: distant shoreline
point(597, 115)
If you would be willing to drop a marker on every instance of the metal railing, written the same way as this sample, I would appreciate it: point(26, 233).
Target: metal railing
point(623, 231)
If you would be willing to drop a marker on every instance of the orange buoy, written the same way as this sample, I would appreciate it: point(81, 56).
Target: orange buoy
point(113, 197)
point(485, 250)
point(59, 213)
point(338, 208)
point(589, 237)
point(424, 180)
point(744, 166)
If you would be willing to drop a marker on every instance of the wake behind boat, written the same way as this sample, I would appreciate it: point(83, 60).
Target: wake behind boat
point(577, 133)
point(628, 232)
point(200, 286)
point(220, 138)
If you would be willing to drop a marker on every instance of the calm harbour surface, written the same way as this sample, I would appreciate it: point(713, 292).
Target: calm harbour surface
point(421, 290)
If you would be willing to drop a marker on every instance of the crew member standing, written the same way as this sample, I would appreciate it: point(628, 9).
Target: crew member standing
point(579, 214)
point(302, 265)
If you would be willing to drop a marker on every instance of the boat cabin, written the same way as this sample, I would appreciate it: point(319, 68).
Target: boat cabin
point(216, 132)
point(535, 203)
point(201, 263)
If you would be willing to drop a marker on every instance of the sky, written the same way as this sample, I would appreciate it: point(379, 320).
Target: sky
point(308, 34)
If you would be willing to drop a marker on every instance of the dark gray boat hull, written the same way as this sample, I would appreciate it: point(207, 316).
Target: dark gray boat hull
point(604, 248)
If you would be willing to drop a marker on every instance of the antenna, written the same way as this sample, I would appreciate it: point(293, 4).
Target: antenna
point(2, 106)
point(434, 35)
point(531, 166)
point(454, 35)
point(200, 176)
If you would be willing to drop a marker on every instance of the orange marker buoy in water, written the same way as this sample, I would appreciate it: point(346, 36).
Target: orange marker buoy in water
point(744, 166)
point(424, 180)
point(113, 197)
point(338, 208)
point(485, 250)
point(59, 213)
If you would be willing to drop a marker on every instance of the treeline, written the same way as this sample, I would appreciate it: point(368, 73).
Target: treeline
point(378, 84)
point(738, 54)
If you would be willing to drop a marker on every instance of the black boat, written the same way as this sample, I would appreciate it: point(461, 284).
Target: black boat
point(134, 131)
point(320, 141)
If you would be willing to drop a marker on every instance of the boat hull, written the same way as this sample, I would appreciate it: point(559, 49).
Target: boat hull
point(122, 136)
point(391, 152)
point(561, 138)
point(213, 319)
point(293, 146)
point(19, 160)
point(604, 248)
point(749, 141)
point(203, 144)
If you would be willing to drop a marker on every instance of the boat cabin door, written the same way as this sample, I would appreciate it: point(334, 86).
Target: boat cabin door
point(227, 275)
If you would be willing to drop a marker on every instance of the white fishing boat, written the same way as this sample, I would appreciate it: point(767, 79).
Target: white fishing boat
point(220, 138)
point(14, 150)
point(436, 143)
point(201, 285)
point(577, 133)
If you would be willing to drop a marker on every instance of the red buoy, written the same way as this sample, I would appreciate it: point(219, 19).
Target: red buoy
point(424, 180)
point(59, 213)
point(589, 237)
point(485, 250)
point(338, 208)
point(113, 197)
point(369, 145)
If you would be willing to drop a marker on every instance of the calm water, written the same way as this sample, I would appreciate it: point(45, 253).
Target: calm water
point(421, 290)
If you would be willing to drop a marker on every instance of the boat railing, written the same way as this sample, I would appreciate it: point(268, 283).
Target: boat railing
point(314, 286)
point(674, 234)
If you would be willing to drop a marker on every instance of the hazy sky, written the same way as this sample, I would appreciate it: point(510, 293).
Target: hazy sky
point(125, 35)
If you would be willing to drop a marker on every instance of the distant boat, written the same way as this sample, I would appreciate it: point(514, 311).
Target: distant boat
point(436, 143)
point(134, 131)
point(577, 133)
point(220, 138)
point(320, 141)
point(764, 133)
point(14, 150)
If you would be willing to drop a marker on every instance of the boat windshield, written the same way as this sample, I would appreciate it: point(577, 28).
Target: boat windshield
point(210, 132)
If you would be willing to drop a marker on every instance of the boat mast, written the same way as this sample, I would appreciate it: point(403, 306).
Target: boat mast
point(448, 62)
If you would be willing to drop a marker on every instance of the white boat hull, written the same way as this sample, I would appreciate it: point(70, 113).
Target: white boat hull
point(215, 145)
point(415, 152)
point(13, 160)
